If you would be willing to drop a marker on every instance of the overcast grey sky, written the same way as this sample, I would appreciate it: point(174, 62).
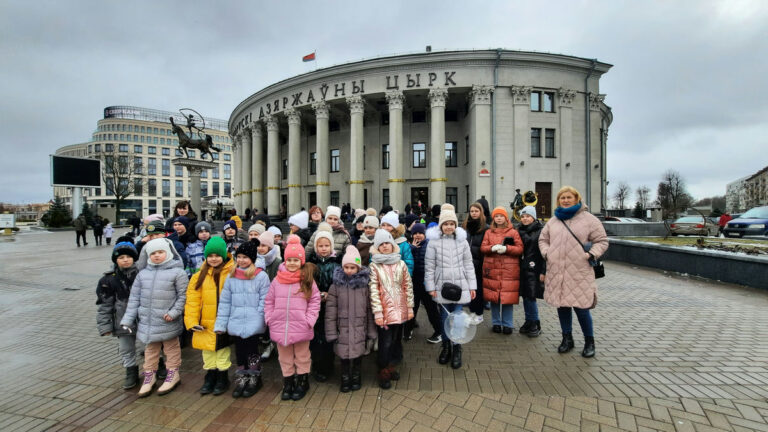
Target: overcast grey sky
point(688, 87)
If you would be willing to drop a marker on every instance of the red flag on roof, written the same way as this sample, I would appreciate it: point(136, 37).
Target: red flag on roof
point(308, 57)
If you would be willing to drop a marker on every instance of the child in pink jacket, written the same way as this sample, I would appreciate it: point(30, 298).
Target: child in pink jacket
point(290, 310)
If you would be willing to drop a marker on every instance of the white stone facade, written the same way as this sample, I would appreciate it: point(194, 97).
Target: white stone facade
point(454, 126)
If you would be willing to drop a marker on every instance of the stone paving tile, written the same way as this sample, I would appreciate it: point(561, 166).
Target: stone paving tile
point(670, 356)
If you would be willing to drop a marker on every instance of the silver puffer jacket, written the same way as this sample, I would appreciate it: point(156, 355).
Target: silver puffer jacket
point(391, 292)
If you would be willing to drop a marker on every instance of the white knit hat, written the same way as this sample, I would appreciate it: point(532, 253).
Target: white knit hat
point(159, 244)
point(447, 213)
point(383, 236)
point(529, 210)
point(359, 212)
point(370, 221)
point(259, 228)
point(391, 218)
point(300, 219)
point(275, 230)
point(370, 211)
point(324, 231)
point(333, 211)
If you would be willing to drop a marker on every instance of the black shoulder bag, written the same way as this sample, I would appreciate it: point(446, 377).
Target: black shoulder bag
point(597, 264)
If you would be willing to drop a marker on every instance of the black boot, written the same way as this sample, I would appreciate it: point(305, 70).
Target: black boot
point(567, 343)
point(209, 383)
point(393, 374)
point(222, 382)
point(535, 329)
point(301, 387)
point(253, 386)
point(445, 353)
point(346, 379)
point(384, 381)
point(162, 372)
point(131, 377)
point(355, 378)
point(288, 387)
point(589, 347)
point(241, 380)
point(456, 357)
point(526, 328)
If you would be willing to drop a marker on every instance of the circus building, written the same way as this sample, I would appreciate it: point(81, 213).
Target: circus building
point(435, 126)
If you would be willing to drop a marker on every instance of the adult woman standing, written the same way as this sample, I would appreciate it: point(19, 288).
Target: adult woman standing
point(475, 226)
point(570, 280)
point(183, 208)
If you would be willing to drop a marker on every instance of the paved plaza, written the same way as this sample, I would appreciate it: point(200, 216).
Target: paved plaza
point(673, 354)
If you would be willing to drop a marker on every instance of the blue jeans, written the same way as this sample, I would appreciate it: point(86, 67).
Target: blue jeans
point(452, 307)
point(531, 309)
point(583, 315)
point(502, 317)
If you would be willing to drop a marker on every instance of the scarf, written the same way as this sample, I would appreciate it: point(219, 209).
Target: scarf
point(287, 277)
point(473, 226)
point(381, 258)
point(568, 212)
point(365, 239)
point(270, 256)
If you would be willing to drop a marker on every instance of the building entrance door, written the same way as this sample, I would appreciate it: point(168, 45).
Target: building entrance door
point(312, 198)
point(365, 199)
point(419, 193)
point(544, 201)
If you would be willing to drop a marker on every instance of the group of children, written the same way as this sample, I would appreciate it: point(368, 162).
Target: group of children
point(320, 292)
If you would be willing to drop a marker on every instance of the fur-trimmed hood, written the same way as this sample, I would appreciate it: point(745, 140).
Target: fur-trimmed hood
point(357, 280)
point(434, 233)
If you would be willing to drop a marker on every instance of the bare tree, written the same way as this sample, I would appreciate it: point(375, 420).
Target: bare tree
point(643, 196)
point(672, 195)
point(622, 194)
point(122, 177)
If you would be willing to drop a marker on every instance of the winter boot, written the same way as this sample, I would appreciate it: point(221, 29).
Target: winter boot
point(241, 380)
point(148, 384)
point(209, 382)
point(346, 379)
point(355, 378)
point(301, 387)
point(393, 374)
point(253, 386)
point(288, 387)
point(162, 372)
point(567, 343)
point(526, 328)
point(222, 382)
point(456, 357)
point(589, 347)
point(445, 353)
point(131, 377)
point(535, 329)
point(384, 381)
point(172, 380)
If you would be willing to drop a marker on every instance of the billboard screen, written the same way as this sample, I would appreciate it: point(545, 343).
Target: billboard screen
point(74, 171)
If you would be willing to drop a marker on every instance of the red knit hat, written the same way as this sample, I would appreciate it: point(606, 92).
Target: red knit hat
point(500, 210)
point(293, 249)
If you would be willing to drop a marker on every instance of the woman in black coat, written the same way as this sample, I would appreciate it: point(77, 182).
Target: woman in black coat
point(475, 226)
point(532, 270)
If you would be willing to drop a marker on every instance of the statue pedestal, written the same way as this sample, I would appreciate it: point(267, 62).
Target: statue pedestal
point(195, 167)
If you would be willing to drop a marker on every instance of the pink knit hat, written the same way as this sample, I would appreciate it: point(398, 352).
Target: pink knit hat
point(352, 256)
point(293, 249)
point(267, 238)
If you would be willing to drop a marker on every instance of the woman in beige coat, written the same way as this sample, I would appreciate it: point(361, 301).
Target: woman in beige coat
point(570, 279)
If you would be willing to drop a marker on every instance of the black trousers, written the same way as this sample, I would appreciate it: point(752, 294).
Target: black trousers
point(477, 306)
point(78, 235)
point(421, 296)
point(247, 351)
point(322, 351)
point(356, 362)
point(390, 345)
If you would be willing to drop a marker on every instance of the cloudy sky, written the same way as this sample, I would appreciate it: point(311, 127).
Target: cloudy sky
point(688, 87)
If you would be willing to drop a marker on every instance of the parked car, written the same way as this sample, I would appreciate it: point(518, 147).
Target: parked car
point(693, 225)
point(752, 222)
point(622, 219)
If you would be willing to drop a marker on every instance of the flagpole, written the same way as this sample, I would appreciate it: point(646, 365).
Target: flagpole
point(316, 64)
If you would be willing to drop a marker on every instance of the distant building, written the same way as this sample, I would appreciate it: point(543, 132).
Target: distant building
point(27, 212)
point(144, 135)
point(747, 192)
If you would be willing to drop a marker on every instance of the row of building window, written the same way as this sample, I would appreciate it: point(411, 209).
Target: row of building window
point(151, 188)
point(543, 101)
point(166, 151)
point(149, 130)
point(145, 140)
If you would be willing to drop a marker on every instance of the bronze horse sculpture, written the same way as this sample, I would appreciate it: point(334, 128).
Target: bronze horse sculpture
point(185, 142)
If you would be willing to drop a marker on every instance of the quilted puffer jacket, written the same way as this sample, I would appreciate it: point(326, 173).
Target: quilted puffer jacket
point(195, 256)
point(202, 305)
point(570, 280)
point(157, 290)
point(341, 240)
point(448, 259)
point(501, 272)
point(391, 292)
point(348, 316)
point(324, 268)
point(290, 316)
point(241, 306)
point(112, 293)
point(532, 264)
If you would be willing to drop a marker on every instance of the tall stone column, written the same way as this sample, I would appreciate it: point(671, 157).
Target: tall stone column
point(245, 161)
point(356, 182)
point(437, 179)
point(395, 99)
point(273, 167)
point(294, 160)
point(322, 183)
point(257, 167)
point(595, 163)
point(480, 137)
point(521, 138)
point(237, 173)
point(564, 138)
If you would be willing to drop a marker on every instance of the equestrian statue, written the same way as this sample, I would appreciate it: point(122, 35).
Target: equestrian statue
point(205, 145)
